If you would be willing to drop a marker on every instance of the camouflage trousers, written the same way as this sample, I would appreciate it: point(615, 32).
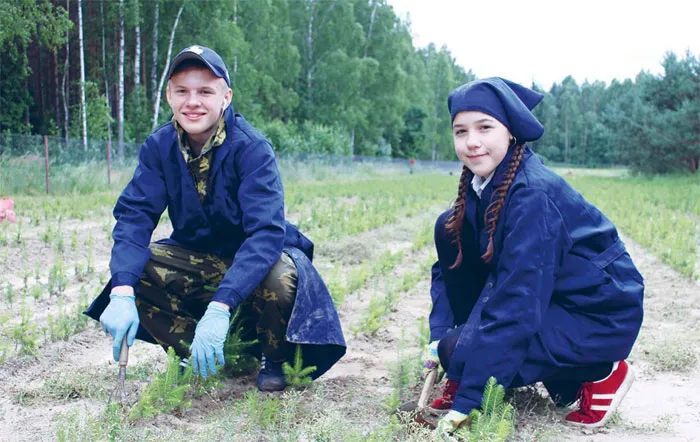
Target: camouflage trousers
point(178, 284)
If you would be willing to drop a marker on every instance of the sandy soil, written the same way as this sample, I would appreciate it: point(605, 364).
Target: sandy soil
point(661, 406)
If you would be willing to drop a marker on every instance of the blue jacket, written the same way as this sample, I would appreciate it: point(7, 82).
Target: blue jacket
point(560, 291)
point(242, 216)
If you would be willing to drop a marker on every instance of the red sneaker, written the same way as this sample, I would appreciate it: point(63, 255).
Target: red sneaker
point(443, 404)
point(599, 400)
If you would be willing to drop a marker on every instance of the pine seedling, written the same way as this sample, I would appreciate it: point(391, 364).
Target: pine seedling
point(25, 333)
point(60, 246)
point(80, 273)
point(9, 294)
point(403, 374)
point(36, 292)
point(47, 234)
point(108, 230)
point(262, 410)
point(37, 272)
point(89, 267)
point(81, 320)
point(297, 375)
point(495, 422)
point(166, 391)
point(18, 237)
point(57, 277)
point(423, 333)
point(237, 358)
point(373, 318)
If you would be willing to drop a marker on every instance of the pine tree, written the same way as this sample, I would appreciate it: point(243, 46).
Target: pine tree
point(165, 392)
point(297, 375)
point(494, 422)
point(236, 356)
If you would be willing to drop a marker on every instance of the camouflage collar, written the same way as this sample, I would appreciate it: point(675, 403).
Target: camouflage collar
point(215, 140)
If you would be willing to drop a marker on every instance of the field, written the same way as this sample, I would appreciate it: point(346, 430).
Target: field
point(373, 232)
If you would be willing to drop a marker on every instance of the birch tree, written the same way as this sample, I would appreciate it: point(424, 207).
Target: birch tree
point(83, 105)
point(104, 70)
point(137, 48)
point(120, 87)
point(154, 55)
point(53, 26)
point(156, 109)
point(64, 84)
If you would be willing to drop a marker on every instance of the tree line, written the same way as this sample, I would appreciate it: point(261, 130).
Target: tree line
point(316, 76)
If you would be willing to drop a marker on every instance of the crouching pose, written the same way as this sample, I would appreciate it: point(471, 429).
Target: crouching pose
point(230, 246)
point(532, 281)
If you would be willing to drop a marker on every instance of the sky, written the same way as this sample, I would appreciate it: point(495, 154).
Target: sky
point(544, 40)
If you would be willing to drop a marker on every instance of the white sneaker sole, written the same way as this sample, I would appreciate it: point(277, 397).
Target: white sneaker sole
point(436, 412)
point(619, 395)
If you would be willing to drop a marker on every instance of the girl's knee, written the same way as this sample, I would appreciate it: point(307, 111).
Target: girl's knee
point(446, 347)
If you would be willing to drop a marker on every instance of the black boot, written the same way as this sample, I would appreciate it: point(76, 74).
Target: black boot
point(271, 376)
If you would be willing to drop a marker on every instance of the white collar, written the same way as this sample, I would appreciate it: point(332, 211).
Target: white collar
point(479, 183)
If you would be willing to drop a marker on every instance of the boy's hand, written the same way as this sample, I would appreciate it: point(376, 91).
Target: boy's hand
point(208, 344)
point(120, 319)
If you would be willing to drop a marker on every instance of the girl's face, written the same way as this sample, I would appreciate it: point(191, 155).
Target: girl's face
point(481, 141)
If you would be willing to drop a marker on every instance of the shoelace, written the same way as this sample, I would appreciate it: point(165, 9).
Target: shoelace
point(270, 368)
point(585, 396)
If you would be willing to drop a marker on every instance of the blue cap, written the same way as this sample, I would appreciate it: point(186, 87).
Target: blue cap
point(507, 102)
point(207, 56)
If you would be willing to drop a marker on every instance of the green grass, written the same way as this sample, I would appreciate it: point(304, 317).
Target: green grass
point(27, 176)
point(660, 213)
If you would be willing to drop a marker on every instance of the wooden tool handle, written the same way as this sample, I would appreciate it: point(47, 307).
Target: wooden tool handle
point(429, 381)
point(124, 354)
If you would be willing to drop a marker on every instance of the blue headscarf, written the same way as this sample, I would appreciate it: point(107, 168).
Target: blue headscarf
point(508, 102)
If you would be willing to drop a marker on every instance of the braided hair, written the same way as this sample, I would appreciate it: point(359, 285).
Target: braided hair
point(456, 220)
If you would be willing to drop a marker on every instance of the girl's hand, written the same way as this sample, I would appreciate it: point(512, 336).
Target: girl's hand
point(449, 424)
point(431, 360)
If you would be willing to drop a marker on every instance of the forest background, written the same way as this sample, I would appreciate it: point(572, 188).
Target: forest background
point(335, 77)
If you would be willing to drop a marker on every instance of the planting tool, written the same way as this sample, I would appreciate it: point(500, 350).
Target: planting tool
point(119, 394)
point(417, 411)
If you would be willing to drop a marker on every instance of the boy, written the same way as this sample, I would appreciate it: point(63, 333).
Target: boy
point(230, 247)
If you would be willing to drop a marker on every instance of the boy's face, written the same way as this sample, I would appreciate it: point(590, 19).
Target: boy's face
point(197, 98)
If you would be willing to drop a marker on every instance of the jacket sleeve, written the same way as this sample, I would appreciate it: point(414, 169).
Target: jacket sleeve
point(261, 198)
point(137, 212)
point(510, 308)
point(441, 318)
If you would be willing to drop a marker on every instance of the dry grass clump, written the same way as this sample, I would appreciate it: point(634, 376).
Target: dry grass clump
point(675, 354)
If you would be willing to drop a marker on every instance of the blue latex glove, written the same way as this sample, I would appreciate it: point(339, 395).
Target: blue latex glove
point(120, 319)
point(208, 344)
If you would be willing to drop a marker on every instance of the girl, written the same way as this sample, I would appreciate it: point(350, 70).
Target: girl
point(532, 282)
